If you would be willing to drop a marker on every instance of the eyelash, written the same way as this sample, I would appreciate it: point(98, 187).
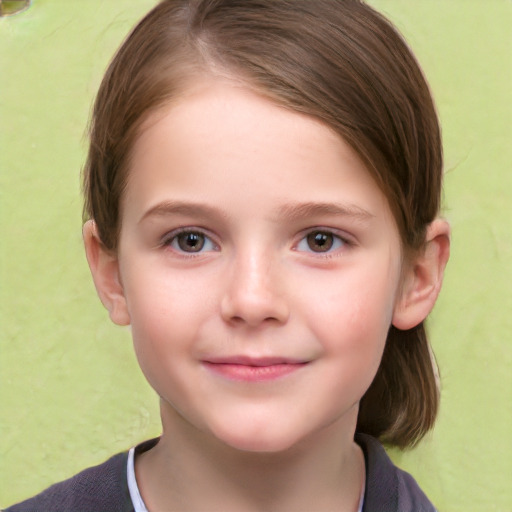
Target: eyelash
point(172, 240)
point(338, 242)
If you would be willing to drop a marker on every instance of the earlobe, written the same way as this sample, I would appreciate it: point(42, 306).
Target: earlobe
point(104, 265)
point(422, 283)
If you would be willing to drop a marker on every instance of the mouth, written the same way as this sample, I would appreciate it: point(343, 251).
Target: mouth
point(250, 369)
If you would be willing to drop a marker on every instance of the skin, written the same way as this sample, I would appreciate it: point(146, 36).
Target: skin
point(253, 235)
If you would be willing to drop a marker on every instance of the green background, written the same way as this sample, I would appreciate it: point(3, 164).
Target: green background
point(71, 392)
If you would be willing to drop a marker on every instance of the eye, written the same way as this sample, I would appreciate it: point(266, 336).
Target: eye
point(320, 241)
point(190, 241)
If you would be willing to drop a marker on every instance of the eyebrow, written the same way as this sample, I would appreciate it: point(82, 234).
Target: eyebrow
point(182, 208)
point(287, 212)
point(292, 212)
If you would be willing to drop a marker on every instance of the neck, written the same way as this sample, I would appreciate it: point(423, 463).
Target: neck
point(191, 470)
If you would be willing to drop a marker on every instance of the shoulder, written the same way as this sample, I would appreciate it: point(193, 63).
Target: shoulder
point(388, 488)
point(102, 487)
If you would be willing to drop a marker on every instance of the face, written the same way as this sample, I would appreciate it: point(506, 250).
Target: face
point(260, 267)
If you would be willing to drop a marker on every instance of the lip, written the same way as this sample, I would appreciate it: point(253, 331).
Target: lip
point(249, 369)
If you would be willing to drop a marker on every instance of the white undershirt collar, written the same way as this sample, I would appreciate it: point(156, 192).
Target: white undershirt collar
point(138, 502)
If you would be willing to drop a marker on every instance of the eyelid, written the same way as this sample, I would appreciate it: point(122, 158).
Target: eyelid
point(346, 239)
point(171, 235)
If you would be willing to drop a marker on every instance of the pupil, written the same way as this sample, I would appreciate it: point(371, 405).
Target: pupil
point(320, 242)
point(191, 242)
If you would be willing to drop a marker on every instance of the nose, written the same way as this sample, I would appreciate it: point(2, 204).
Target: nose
point(253, 293)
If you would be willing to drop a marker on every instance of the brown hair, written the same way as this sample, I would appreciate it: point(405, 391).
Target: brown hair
point(336, 60)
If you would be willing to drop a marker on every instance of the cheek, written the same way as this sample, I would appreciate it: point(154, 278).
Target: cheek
point(158, 297)
point(353, 316)
point(353, 336)
point(166, 314)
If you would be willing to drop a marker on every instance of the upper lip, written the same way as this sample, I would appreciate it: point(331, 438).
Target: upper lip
point(253, 361)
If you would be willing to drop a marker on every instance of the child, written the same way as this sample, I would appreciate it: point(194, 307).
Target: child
point(261, 200)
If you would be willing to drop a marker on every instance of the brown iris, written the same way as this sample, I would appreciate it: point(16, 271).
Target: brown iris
point(320, 241)
point(191, 241)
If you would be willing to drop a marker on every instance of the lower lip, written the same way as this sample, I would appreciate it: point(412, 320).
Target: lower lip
point(242, 372)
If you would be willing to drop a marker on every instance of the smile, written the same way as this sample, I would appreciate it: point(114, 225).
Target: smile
point(253, 370)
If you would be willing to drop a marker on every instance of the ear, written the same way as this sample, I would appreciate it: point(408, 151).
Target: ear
point(104, 265)
point(423, 279)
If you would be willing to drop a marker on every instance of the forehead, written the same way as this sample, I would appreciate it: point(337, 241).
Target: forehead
point(222, 142)
point(214, 107)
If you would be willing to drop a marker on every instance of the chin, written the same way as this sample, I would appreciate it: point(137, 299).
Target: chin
point(267, 446)
point(260, 440)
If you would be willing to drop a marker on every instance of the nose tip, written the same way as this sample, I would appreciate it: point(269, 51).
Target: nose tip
point(253, 311)
point(254, 297)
